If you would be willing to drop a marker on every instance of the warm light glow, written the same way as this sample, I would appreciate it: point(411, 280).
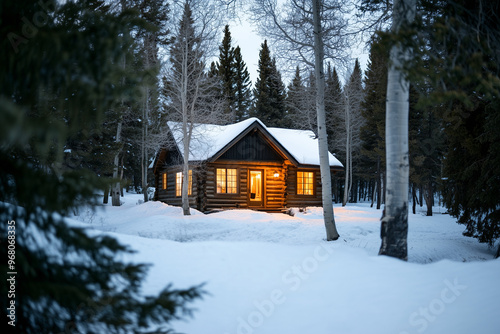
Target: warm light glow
point(276, 174)
point(178, 183)
point(255, 186)
point(305, 183)
point(226, 181)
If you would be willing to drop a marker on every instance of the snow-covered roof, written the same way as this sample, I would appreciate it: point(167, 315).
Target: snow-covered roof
point(208, 139)
point(303, 145)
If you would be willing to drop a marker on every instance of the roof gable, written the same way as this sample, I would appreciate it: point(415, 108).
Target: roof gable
point(265, 136)
point(254, 146)
point(210, 142)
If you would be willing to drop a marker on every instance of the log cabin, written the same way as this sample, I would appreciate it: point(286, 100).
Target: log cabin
point(242, 165)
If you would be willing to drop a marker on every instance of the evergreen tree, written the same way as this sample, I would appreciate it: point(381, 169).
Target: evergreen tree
point(333, 106)
point(334, 123)
point(353, 121)
point(295, 101)
point(426, 150)
point(269, 92)
point(373, 110)
point(226, 72)
point(66, 280)
point(234, 78)
point(300, 103)
point(191, 94)
point(155, 13)
point(464, 72)
point(243, 87)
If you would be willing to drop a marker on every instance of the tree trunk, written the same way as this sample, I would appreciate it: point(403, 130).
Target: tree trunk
point(144, 155)
point(394, 229)
point(331, 229)
point(148, 49)
point(185, 169)
point(421, 196)
point(115, 189)
point(379, 184)
point(373, 193)
point(414, 199)
point(347, 187)
point(429, 197)
point(106, 196)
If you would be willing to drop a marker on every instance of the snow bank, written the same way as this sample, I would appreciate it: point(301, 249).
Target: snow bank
point(273, 273)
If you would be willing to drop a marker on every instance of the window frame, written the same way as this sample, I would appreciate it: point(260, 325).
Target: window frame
point(226, 181)
point(178, 185)
point(312, 183)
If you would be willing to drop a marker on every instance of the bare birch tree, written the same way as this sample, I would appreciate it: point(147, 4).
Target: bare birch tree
point(189, 89)
point(309, 31)
point(155, 12)
point(394, 229)
point(116, 186)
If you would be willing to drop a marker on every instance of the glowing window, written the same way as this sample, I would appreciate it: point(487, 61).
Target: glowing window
point(305, 183)
point(178, 183)
point(255, 185)
point(226, 181)
point(164, 181)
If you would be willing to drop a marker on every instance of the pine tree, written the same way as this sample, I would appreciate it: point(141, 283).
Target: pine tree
point(66, 279)
point(243, 87)
point(426, 144)
point(295, 103)
point(333, 106)
point(234, 78)
point(334, 122)
point(373, 110)
point(192, 95)
point(154, 12)
point(269, 92)
point(226, 72)
point(463, 71)
point(353, 121)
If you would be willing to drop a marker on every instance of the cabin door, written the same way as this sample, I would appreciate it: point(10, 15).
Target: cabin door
point(256, 189)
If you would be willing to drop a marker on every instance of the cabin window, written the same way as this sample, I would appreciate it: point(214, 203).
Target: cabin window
point(178, 183)
point(305, 183)
point(226, 181)
point(164, 181)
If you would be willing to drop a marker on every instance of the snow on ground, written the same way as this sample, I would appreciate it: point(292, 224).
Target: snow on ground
point(273, 273)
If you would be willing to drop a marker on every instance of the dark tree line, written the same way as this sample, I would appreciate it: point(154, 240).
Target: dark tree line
point(58, 92)
point(455, 84)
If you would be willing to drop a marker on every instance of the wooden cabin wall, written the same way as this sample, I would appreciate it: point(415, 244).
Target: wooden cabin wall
point(275, 188)
point(168, 196)
point(280, 192)
point(294, 200)
point(225, 201)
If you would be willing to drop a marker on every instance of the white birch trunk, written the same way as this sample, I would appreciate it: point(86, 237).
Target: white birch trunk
point(326, 181)
point(394, 229)
point(185, 168)
point(185, 130)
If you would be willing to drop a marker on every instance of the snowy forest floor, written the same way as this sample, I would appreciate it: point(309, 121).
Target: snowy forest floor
point(274, 273)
